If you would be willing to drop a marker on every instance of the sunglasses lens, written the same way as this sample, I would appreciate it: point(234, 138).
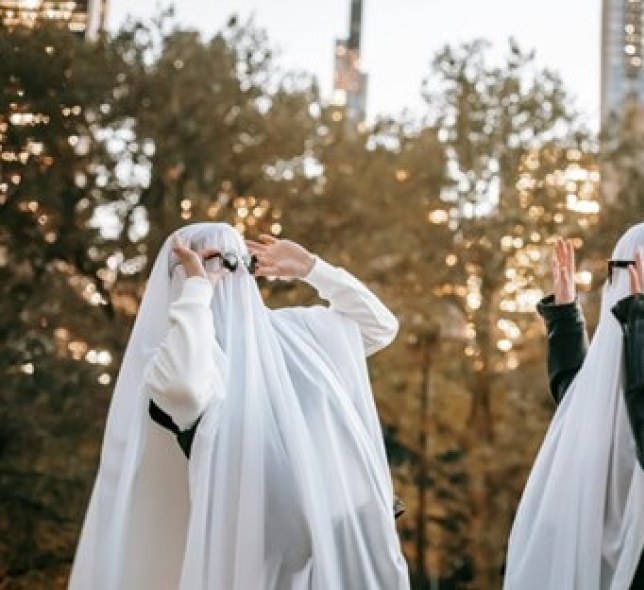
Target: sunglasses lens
point(250, 262)
point(613, 264)
point(230, 261)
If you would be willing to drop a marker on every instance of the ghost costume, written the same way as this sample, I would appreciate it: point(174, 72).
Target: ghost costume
point(580, 522)
point(287, 486)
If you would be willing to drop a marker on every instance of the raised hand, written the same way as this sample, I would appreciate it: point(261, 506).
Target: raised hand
point(562, 267)
point(636, 273)
point(281, 259)
point(193, 262)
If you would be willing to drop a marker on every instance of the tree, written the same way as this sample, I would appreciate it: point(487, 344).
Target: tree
point(622, 156)
point(54, 172)
point(446, 219)
point(215, 126)
point(520, 172)
point(82, 126)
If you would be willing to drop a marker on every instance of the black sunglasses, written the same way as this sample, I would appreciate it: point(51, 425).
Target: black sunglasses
point(231, 260)
point(612, 264)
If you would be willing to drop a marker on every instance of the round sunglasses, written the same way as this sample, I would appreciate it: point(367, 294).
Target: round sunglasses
point(613, 264)
point(231, 260)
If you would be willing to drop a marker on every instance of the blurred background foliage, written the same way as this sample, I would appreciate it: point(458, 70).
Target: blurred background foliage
point(109, 146)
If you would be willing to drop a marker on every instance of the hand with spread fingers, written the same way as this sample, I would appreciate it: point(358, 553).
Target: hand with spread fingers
point(283, 259)
point(193, 262)
point(636, 273)
point(562, 267)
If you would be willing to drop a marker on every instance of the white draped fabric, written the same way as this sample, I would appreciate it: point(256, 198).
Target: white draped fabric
point(287, 486)
point(580, 522)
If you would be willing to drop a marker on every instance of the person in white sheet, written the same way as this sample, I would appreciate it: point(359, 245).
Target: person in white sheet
point(242, 449)
point(580, 522)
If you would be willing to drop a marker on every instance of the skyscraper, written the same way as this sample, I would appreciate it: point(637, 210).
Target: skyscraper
point(350, 82)
point(84, 17)
point(622, 83)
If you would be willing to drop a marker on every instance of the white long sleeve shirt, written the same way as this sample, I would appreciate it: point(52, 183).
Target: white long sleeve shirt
point(348, 296)
point(182, 377)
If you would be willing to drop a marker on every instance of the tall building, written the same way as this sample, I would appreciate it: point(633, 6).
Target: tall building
point(622, 83)
point(350, 82)
point(84, 17)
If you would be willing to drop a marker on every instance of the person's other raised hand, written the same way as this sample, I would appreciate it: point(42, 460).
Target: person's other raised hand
point(636, 273)
point(283, 259)
point(562, 267)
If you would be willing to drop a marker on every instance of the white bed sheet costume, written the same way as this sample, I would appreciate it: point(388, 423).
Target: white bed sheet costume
point(288, 485)
point(580, 522)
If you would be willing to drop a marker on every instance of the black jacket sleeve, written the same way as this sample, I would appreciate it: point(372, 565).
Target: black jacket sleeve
point(630, 315)
point(184, 437)
point(567, 343)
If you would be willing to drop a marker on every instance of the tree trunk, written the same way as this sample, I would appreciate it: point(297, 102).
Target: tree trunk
point(478, 442)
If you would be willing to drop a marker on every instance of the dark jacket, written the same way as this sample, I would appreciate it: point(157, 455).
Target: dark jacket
point(568, 343)
point(184, 437)
point(567, 346)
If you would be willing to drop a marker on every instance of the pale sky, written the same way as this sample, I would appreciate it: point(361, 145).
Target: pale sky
point(400, 37)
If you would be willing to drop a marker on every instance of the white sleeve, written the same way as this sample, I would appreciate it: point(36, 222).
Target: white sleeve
point(182, 377)
point(349, 297)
